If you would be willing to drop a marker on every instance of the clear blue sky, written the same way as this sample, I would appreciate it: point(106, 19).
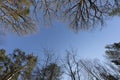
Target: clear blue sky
point(88, 44)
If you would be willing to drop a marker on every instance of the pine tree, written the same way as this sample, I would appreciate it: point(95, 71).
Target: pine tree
point(16, 65)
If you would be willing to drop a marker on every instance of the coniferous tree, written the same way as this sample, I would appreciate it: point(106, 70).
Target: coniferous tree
point(16, 65)
point(113, 53)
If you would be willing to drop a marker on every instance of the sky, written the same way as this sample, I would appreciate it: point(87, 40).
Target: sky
point(88, 44)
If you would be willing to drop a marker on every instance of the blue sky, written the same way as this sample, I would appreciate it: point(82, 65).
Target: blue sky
point(88, 44)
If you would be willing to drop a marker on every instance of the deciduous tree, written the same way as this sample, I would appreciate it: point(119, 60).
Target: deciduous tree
point(21, 16)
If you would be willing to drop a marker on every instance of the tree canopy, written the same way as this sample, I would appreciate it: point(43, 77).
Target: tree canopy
point(22, 66)
point(87, 69)
point(113, 53)
point(15, 16)
point(16, 65)
point(50, 72)
point(21, 16)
